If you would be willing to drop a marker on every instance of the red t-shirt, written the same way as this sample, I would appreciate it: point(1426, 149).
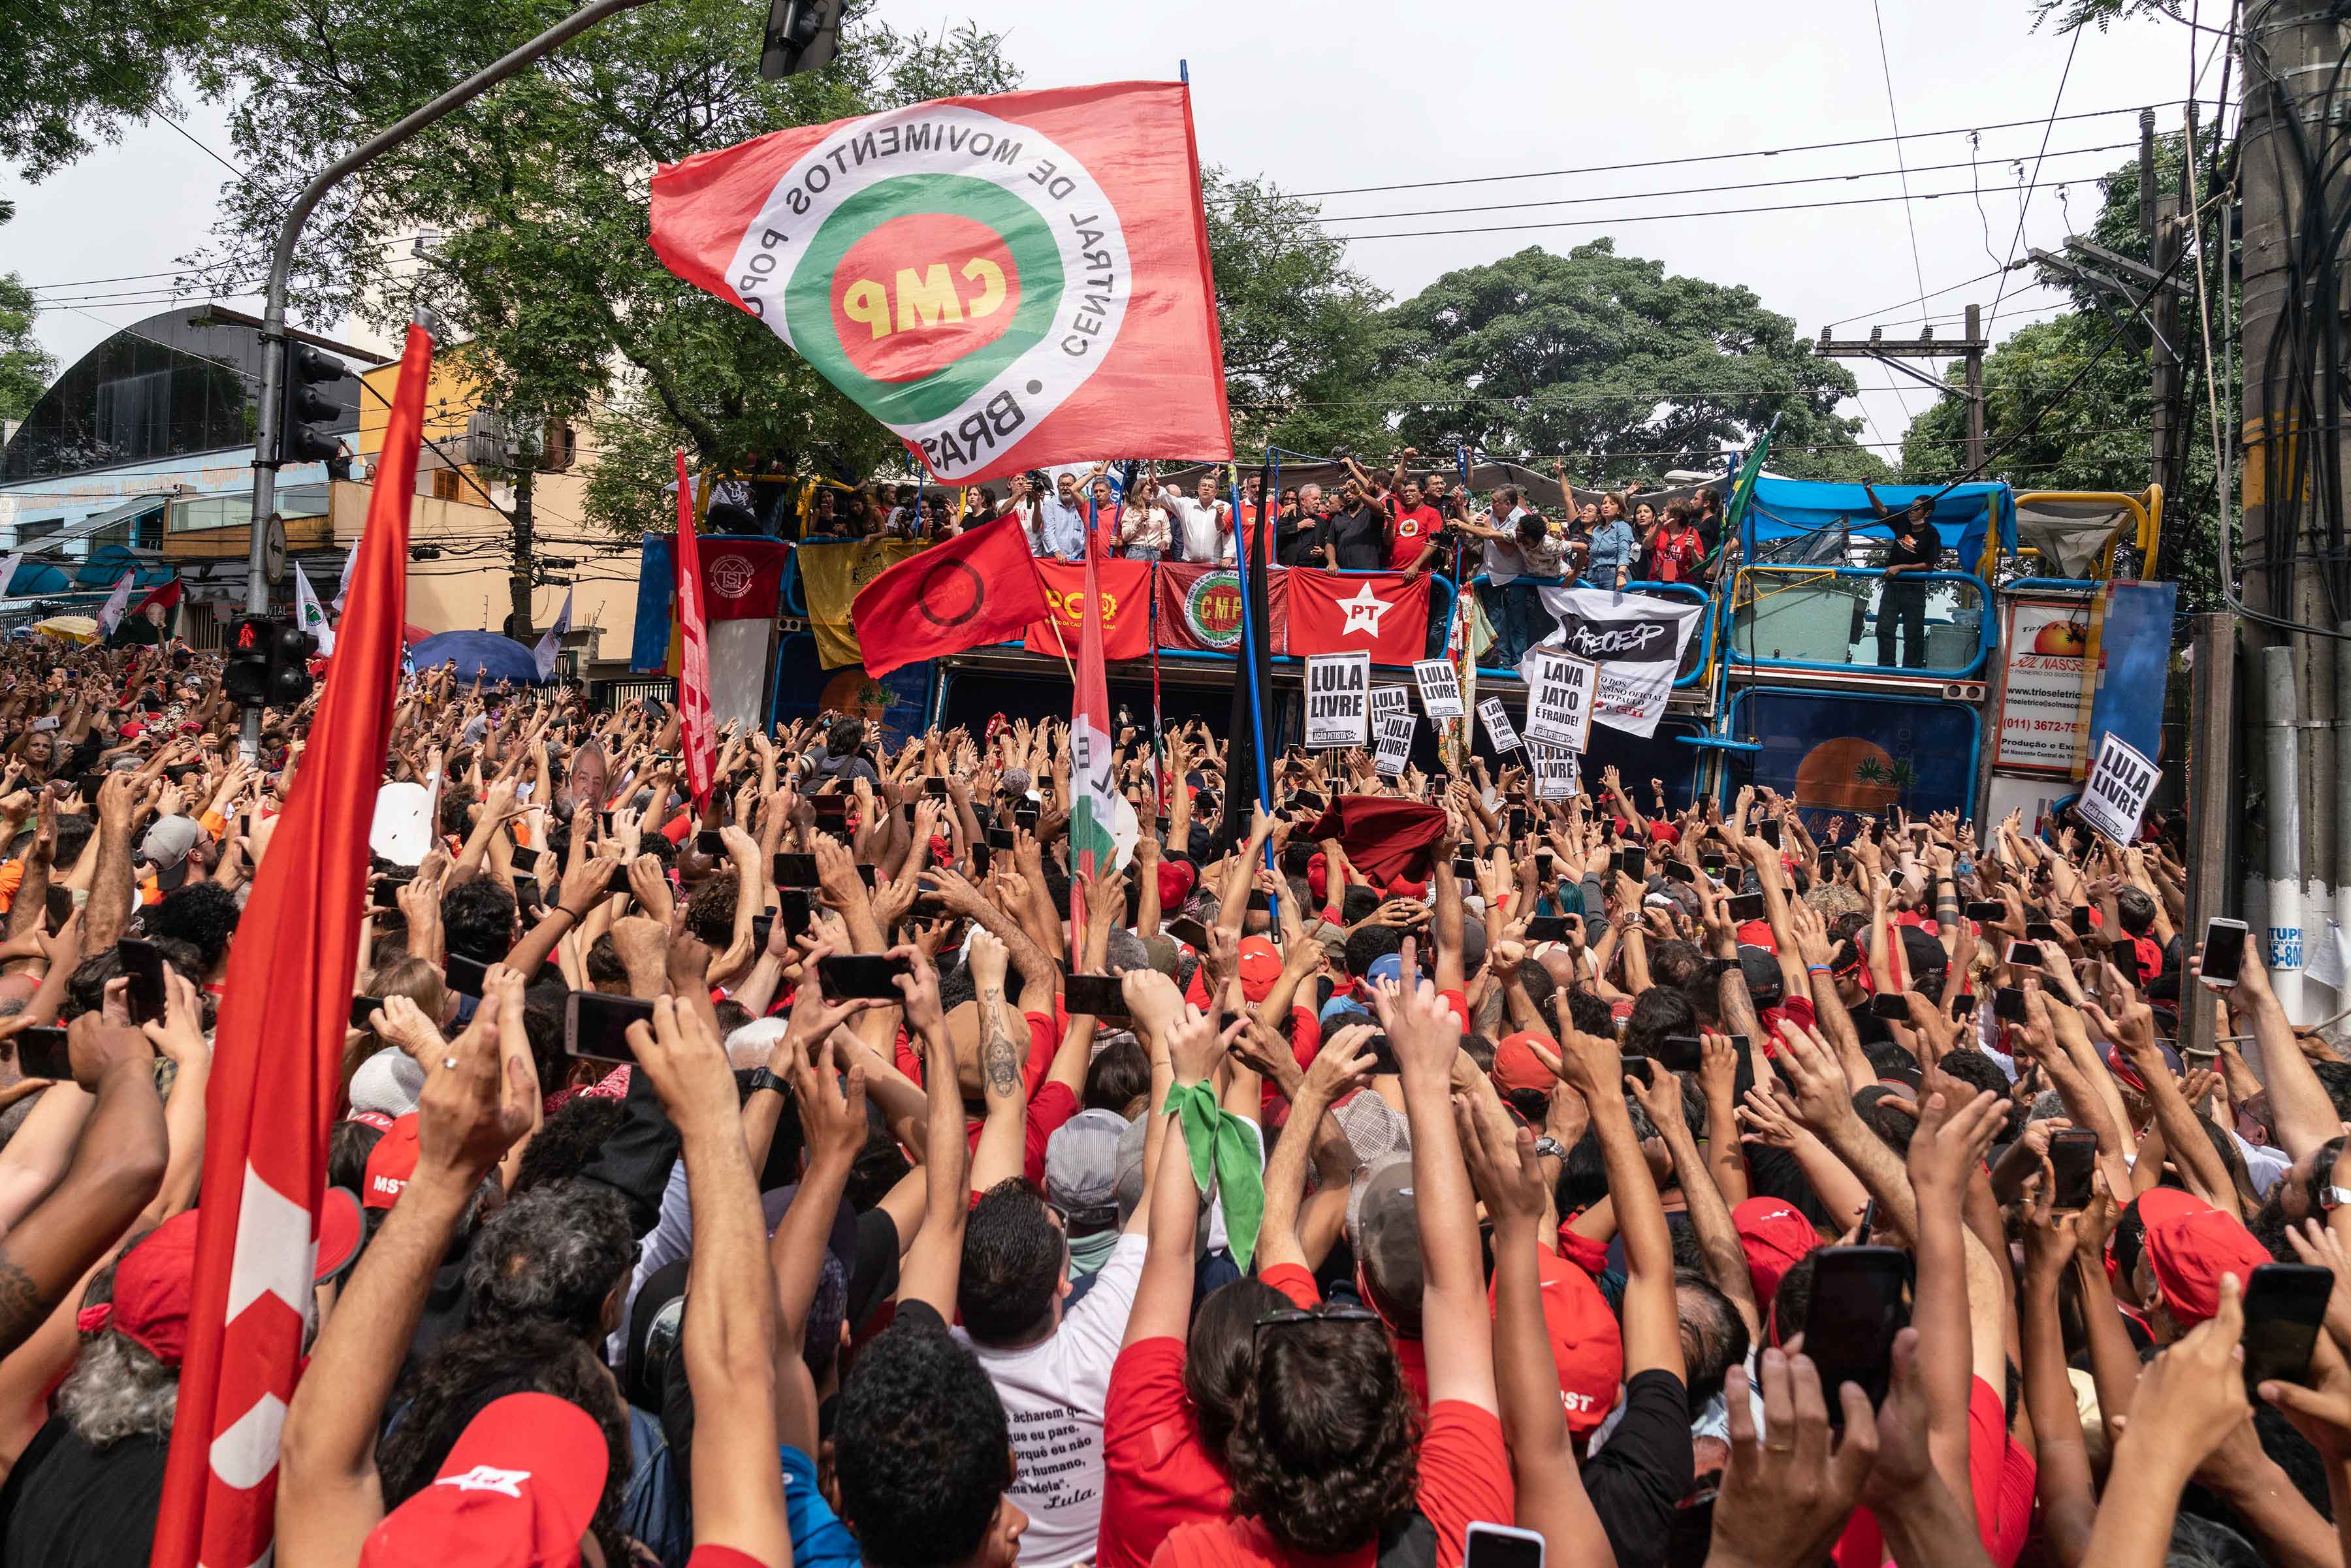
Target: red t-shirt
point(1157, 1473)
point(1991, 1478)
point(1464, 1477)
point(1413, 528)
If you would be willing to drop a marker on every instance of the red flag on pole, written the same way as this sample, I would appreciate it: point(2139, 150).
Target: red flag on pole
point(166, 596)
point(695, 731)
point(979, 589)
point(277, 1056)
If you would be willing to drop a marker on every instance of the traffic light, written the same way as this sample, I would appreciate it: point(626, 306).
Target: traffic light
point(802, 36)
point(268, 662)
point(306, 412)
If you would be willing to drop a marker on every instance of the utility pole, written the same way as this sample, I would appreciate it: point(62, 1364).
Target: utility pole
point(1893, 351)
point(2158, 228)
point(519, 579)
point(2292, 54)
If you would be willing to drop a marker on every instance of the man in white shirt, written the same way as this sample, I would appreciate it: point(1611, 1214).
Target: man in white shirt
point(1204, 525)
point(1050, 1368)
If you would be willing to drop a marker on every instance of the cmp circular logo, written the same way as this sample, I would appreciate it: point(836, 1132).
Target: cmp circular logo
point(1212, 606)
point(957, 274)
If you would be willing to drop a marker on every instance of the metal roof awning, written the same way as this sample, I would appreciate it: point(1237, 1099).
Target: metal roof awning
point(137, 506)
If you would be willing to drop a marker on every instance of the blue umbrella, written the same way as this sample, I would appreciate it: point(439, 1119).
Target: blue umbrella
point(492, 657)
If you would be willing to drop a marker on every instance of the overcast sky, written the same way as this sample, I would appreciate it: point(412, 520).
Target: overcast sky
point(1329, 95)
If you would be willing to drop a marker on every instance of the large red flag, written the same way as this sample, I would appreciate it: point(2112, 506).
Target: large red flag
point(696, 734)
point(277, 1056)
point(1358, 612)
point(1200, 607)
point(1120, 589)
point(742, 580)
point(1006, 282)
point(979, 587)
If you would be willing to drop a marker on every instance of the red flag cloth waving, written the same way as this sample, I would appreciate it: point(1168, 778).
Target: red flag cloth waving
point(1200, 607)
point(1006, 282)
point(697, 736)
point(1387, 839)
point(1358, 612)
point(743, 579)
point(979, 587)
point(278, 1054)
point(166, 596)
point(1124, 586)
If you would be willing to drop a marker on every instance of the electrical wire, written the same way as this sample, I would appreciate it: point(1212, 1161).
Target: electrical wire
point(1657, 217)
point(2024, 199)
point(1908, 215)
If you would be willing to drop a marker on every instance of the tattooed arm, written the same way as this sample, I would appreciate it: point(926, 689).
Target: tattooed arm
point(1003, 1136)
point(116, 1172)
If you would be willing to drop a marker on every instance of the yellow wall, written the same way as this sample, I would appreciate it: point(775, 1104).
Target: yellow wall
point(449, 401)
point(466, 589)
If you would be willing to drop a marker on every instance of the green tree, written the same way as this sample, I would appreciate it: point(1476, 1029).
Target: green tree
point(78, 69)
point(539, 196)
point(1595, 353)
point(24, 366)
point(1300, 326)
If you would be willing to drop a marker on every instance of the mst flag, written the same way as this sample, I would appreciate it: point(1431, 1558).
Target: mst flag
point(1358, 612)
point(1006, 282)
point(743, 579)
point(974, 589)
point(309, 617)
point(277, 1059)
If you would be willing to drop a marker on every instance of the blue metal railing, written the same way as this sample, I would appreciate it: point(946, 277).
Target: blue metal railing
point(1987, 634)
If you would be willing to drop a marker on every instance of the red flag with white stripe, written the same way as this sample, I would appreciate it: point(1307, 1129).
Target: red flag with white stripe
point(697, 735)
point(275, 1061)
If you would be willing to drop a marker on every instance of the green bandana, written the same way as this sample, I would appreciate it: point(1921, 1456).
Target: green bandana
point(1220, 1147)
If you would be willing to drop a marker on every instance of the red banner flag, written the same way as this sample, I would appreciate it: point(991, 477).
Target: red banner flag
point(743, 579)
point(976, 588)
point(1006, 282)
point(1200, 607)
point(277, 1055)
point(166, 596)
point(697, 736)
point(1358, 612)
point(1124, 586)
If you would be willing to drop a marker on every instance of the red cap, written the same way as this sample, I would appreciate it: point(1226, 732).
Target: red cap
point(391, 1163)
point(1400, 886)
point(1260, 966)
point(376, 1119)
point(1584, 1341)
point(2190, 1252)
point(1317, 877)
point(2154, 1206)
point(1174, 882)
point(155, 1284)
point(1516, 1065)
point(1664, 832)
point(132, 730)
point(517, 1491)
point(1775, 1239)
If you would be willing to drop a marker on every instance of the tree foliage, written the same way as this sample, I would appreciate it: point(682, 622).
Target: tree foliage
point(24, 366)
point(1299, 324)
point(540, 195)
point(1606, 359)
point(80, 71)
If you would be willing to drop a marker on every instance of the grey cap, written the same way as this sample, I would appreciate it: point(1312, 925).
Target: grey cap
point(1383, 1229)
point(1082, 1168)
point(389, 1083)
point(166, 848)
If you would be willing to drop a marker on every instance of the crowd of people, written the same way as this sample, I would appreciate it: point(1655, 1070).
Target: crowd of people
point(1400, 520)
point(834, 1175)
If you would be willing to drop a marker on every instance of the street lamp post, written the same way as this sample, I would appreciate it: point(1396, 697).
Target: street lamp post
point(281, 262)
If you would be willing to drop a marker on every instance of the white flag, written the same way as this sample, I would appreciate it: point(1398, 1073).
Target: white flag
point(309, 617)
point(343, 588)
point(110, 614)
point(544, 654)
point(8, 565)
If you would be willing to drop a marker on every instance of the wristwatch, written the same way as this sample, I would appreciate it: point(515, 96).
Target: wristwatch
point(2333, 1198)
point(763, 1079)
point(1550, 1148)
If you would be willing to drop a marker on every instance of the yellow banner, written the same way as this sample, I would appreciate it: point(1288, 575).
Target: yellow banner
point(830, 576)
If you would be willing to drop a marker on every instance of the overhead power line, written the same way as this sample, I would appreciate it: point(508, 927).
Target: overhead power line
point(1659, 217)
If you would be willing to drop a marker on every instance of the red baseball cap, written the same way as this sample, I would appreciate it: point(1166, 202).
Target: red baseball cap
point(1775, 1239)
point(1174, 882)
point(517, 1491)
point(155, 1283)
point(1516, 1065)
point(391, 1163)
point(2153, 1207)
point(1585, 1341)
point(1260, 966)
point(2189, 1252)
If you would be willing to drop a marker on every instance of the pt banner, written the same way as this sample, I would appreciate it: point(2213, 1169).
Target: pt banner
point(1635, 639)
point(1006, 282)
